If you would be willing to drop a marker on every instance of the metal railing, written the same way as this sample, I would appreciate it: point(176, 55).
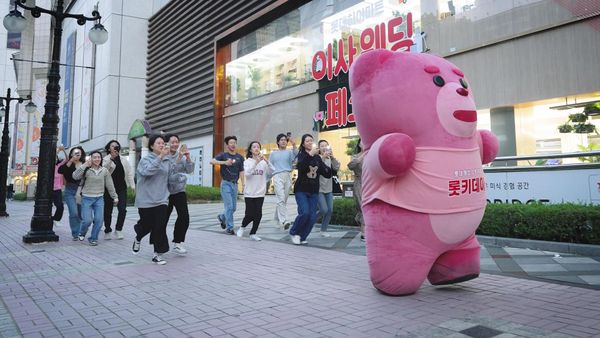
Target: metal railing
point(509, 160)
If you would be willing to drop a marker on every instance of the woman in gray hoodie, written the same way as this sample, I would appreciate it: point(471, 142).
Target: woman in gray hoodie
point(152, 198)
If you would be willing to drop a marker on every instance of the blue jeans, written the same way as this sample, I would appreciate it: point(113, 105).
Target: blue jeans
point(307, 214)
point(229, 192)
point(89, 204)
point(74, 209)
point(325, 209)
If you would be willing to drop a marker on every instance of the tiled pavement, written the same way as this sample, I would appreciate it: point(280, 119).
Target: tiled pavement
point(239, 288)
point(541, 265)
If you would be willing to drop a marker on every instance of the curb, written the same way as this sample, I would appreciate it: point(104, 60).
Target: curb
point(588, 250)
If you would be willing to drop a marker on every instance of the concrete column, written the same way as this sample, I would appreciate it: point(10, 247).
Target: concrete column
point(145, 149)
point(502, 121)
point(132, 152)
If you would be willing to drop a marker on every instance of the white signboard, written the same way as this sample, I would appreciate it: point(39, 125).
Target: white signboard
point(196, 154)
point(548, 186)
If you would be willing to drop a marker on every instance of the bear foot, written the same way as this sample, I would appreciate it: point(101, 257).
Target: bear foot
point(455, 266)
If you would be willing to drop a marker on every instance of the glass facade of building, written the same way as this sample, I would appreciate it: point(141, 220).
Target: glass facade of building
point(530, 63)
point(280, 54)
point(319, 40)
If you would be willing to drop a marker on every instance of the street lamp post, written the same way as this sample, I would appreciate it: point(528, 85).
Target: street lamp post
point(41, 222)
point(4, 150)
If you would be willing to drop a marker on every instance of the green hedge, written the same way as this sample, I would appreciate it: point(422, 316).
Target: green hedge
point(567, 222)
point(20, 196)
point(199, 193)
point(344, 211)
point(573, 223)
point(194, 193)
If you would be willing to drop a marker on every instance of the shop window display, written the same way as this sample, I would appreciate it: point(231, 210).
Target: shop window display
point(281, 54)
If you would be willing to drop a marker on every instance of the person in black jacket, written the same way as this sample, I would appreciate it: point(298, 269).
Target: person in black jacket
point(306, 188)
point(76, 158)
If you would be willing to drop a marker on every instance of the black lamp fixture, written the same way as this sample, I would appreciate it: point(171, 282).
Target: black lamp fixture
point(41, 222)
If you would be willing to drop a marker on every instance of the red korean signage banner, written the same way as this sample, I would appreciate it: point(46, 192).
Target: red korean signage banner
point(335, 108)
point(332, 63)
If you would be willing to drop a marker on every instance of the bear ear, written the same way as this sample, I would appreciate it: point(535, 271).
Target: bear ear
point(366, 65)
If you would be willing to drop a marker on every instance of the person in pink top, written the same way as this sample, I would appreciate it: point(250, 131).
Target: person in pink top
point(423, 186)
point(57, 199)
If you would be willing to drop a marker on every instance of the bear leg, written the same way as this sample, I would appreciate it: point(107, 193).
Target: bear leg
point(457, 265)
point(398, 264)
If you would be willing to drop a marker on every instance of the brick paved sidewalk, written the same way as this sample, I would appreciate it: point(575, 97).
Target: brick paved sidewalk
point(231, 287)
point(568, 269)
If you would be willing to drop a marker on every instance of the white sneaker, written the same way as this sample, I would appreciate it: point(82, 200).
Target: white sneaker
point(119, 235)
point(107, 236)
point(304, 242)
point(296, 239)
point(324, 234)
point(179, 249)
point(255, 238)
point(158, 260)
point(240, 232)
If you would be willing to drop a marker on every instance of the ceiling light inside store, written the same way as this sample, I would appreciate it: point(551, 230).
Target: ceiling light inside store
point(277, 52)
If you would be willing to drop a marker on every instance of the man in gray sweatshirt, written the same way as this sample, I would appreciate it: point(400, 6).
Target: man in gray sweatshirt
point(181, 164)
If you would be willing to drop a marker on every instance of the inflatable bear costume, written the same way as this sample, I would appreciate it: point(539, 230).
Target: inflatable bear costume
point(423, 184)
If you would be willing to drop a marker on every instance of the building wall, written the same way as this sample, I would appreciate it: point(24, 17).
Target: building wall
point(262, 118)
point(179, 92)
point(515, 54)
point(107, 101)
point(552, 63)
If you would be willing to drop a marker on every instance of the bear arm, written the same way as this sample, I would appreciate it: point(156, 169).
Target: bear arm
point(488, 146)
point(391, 155)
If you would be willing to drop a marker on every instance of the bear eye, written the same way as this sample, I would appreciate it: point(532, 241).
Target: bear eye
point(464, 83)
point(439, 81)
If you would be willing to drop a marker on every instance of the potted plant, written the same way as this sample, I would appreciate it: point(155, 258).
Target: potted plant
point(578, 117)
point(565, 128)
point(584, 128)
point(592, 109)
point(255, 74)
point(578, 123)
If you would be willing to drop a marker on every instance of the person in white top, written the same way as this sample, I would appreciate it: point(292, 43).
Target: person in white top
point(256, 170)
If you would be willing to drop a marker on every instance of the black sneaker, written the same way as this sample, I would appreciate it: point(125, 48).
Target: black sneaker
point(230, 232)
point(222, 221)
point(136, 247)
point(158, 260)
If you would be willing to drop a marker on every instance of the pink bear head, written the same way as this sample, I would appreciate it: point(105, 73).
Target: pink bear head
point(421, 95)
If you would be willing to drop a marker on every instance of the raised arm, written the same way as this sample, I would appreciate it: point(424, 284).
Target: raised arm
point(391, 155)
point(78, 173)
point(149, 166)
point(324, 170)
point(488, 146)
point(108, 163)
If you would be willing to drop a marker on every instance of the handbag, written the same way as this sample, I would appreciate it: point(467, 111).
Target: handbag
point(79, 191)
point(78, 194)
point(337, 186)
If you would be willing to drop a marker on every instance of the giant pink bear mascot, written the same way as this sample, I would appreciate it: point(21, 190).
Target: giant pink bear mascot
point(423, 183)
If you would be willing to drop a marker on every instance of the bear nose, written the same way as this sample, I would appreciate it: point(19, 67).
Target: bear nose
point(462, 91)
